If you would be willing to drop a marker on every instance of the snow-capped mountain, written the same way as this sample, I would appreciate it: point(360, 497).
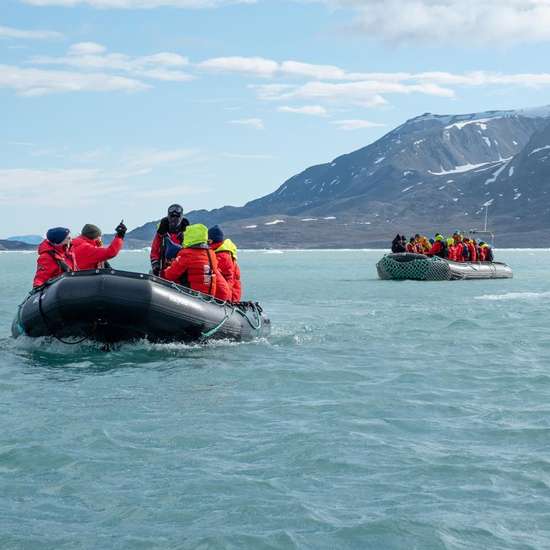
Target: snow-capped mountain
point(434, 172)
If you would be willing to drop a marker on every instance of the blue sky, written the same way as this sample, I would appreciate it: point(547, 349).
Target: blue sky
point(114, 109)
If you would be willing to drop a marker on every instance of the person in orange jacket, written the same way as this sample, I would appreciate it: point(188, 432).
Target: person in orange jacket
point(89, 250)
point(196, 266)
point(170, 230)
point(55, 256)
point(226, 253)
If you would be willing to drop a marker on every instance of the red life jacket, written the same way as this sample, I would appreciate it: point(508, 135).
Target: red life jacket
point(195, 268)
point(91, 254)
point(53, 260)
point(229, 268)
point(237, 287)
point(473, 252)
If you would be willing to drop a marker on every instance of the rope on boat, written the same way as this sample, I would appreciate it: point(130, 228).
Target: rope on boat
point(212, 331)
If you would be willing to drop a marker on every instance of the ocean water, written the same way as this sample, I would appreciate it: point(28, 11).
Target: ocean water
point(378, 414)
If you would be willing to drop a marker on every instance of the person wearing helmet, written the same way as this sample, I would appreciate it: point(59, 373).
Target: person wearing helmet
point(89, 250)
point(170, 228)
point(195, 265)
point(55, 256)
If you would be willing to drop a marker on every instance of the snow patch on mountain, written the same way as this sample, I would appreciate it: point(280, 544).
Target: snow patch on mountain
point(481, 122)
point(459, 169)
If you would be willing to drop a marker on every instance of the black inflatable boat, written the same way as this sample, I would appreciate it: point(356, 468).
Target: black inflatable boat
point(111, 306)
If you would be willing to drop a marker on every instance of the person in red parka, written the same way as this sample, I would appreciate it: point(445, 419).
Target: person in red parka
point(471, 249)
point(195, 265)
point(171, 227)
point(55, 256)
point(226, 254)
point(89, 250)
point(439, 248)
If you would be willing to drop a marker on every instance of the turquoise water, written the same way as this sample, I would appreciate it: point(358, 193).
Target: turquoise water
point(379, 415)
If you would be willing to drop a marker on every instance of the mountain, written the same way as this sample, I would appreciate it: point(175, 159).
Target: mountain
point(29, 239)
point(432, 173)
point(6, 244)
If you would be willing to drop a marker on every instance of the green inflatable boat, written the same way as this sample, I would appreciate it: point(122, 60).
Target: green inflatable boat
point(418, 267)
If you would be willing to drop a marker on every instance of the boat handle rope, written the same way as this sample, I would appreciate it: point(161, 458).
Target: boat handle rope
point(257, 311)
point(211, 332)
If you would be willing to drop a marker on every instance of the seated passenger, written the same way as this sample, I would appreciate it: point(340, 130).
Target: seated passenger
point(487, 252)
point(411, 246)
point(472, 253)
point(173, 226)
point(226, 254)
point(462, 253)
point(397, 245)
point(89, 250)
point(439, 248)
point(195, 266)
point(55, 256)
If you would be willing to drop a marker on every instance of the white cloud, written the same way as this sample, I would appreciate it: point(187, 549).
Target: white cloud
point(353, 124)
point(92, 56)
point(256, 123)
point(36, 82)
point(119, 178)
point(138, 4)
point(465, 22)
point(366, 94)
point(10, 32)
point(257, 66)
point(312, 110)
point(87, 48)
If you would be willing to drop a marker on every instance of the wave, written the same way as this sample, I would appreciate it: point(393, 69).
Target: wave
point(514, 296)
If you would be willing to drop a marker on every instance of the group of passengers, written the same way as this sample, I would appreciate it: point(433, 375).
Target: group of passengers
point(457, 248)
point(189, 254)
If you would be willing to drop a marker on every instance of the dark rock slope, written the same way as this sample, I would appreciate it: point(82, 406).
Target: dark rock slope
point(433, 173)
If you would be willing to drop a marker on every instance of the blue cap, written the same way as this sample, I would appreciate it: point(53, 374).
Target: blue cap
point(215, 234)
point(56, 235)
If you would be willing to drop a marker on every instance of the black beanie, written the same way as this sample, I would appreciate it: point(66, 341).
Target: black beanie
point(215, 234)
point(91, 231)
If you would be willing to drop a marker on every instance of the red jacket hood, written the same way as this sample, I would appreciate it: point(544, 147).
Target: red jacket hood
point(46, 245)
point(81, 239)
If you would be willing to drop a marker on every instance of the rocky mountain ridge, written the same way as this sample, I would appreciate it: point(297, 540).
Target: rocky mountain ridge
point(432, 173)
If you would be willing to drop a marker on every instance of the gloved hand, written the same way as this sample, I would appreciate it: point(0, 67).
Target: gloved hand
point(121, 230)
point(163, 227)
point(155, 268)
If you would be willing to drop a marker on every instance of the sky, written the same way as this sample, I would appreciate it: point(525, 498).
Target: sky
point(114, 109)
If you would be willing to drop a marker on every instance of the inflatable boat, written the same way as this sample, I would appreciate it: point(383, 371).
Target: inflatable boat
point(418, 267)
point(111, 306)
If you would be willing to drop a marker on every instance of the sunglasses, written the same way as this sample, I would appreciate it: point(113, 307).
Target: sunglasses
point(175, 213)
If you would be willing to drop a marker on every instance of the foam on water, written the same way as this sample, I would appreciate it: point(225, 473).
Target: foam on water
point(514, 296)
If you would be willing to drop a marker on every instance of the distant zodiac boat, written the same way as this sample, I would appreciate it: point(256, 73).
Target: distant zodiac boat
point(418, 267)
point(112, 306)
